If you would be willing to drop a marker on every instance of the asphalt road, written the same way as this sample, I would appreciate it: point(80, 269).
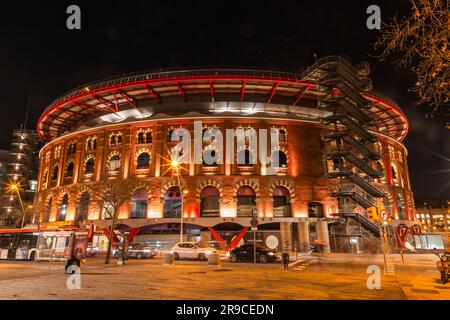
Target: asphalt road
point(149, 279)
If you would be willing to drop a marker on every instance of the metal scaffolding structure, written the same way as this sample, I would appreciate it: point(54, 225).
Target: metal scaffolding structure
point(351, 157)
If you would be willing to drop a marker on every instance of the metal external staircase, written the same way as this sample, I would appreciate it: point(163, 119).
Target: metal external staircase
point(350, 154)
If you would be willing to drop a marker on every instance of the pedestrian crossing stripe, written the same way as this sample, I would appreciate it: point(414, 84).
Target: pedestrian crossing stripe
point(299, 268)
point(390, 268)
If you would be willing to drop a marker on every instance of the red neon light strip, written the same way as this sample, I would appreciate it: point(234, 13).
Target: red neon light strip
point(301, 93)
point(172, 79)
point(222, 243)
point(274, 89)
point(238, 238)
point(211, 89)
point(243, 89)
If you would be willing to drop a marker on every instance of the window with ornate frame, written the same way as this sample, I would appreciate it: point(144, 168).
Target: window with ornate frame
point(114, 163)
point(91, 143)
point(89, 165)
point(115, 139)
point(144, 136)
point(71, 148)
point(69, 169)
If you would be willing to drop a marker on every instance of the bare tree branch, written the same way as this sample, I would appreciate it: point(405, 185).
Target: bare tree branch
point(422, 42)
point(109, 197)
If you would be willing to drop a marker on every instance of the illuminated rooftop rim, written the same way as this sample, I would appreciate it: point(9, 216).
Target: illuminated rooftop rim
point(203, 84)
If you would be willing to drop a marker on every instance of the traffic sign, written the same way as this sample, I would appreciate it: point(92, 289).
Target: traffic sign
point(384, 215)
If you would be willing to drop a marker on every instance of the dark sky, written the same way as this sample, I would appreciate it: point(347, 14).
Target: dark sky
point(41, 59)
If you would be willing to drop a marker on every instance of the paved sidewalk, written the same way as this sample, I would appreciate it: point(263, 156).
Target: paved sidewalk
point(331, 277)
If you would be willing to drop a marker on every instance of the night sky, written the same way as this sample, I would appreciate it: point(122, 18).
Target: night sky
point(40, 58)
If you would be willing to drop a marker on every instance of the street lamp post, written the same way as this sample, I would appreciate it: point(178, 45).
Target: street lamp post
point(175, 166)
point(15, 188)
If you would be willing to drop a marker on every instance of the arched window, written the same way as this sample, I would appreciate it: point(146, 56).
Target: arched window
point(315, 210)
point(143, 161)
point(171, 136)
point(94, 144)
point(282, 158)
point(119, 139)
point(245, 158)
point(281, 202)
point(69, 173)
point(48, 210)
point(55, 173)
point(89, 167)
point(114, 163)
point(394, 173)
point(172, 203)
point(401, 207)
point(63, 208)
point(282, 135)
point(112, 141)
point(83, 208)
point(148, 137)
point(140, 138)
point(72, 148)
point(209, 202)
point(139, 204)
point(246, 200)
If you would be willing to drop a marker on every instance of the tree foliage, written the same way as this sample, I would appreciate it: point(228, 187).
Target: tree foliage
point(421, 41)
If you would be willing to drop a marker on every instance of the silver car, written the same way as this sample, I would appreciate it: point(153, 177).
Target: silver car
point(191, 250)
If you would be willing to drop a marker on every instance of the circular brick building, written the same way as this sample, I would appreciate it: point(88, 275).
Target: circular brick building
point(121, 129)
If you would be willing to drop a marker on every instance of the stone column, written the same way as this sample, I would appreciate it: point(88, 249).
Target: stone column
point(286, 236)
point(322, 234)
point(303, 235)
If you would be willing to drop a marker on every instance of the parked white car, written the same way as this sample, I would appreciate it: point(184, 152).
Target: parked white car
point(191, 250)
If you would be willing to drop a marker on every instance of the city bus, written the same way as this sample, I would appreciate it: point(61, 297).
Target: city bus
point(18, 244)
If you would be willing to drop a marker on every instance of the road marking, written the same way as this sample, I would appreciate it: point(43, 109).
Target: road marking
point(390, 267)
point(299, 265)
point(300, 268)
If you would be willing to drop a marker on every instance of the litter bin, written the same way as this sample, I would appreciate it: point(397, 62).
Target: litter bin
point(168, 258)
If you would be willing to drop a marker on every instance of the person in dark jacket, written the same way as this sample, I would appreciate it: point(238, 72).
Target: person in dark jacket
point(72, 261)
point(285, 259)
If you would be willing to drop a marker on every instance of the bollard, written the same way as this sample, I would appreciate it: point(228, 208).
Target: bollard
point(168, 258)
point(213, 259)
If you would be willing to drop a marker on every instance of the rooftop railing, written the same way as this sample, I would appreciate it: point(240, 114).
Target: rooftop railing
point(175, 73)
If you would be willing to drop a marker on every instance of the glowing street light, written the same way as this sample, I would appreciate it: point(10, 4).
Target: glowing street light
point(14, 187)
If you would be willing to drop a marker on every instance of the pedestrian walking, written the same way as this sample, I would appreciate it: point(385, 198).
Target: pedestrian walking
point(285, 260)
